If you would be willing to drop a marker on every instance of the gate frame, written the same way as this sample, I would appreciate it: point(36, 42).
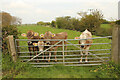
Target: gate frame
point(75, 45)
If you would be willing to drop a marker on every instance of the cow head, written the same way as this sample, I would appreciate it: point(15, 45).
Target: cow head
point(41, 45)
point(47, 35)
point(82, 42)
point(30, 35)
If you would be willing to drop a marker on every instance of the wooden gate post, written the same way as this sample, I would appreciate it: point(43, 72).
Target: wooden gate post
point(116, 44)
point(12, 47)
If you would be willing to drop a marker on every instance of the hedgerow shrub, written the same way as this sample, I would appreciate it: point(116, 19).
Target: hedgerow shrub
point(103, 32)
point(8, 30)
point(118, 22)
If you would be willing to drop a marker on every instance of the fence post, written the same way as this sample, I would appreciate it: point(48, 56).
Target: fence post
point(116, 44)
point(12, 47)
point(63, 52)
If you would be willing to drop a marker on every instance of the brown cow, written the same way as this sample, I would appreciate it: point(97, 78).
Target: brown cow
point(86, 34)
point(32, 45)
point(49, 35)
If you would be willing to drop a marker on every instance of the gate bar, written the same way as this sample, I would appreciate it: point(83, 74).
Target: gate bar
point(68, 65)
point(66, 58)
point(71, 50)
point(67, 55)
point(60, 39)
point(70, 44)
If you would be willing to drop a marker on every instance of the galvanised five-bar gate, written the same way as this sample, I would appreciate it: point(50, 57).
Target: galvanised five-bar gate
point(99, 52)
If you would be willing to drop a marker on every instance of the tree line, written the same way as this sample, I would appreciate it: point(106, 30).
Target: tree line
point(90, 20)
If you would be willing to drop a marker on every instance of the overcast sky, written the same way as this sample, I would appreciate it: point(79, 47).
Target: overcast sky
point(32, 11)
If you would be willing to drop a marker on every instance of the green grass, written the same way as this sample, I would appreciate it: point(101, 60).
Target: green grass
point(42, 30)
point(59, 72)
point(105, 26)
point(109, 70)
point(23, 70)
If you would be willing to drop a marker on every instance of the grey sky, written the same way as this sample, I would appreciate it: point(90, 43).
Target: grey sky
point(32, 11)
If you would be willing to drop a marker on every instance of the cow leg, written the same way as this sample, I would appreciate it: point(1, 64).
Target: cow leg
point(81, 56)
point(86, 53)
point(36, 49)
point(30, 50)
point(46, 55)
point(55, 53)
point(43, 56)
point(86, 56)
point(30, 54)
point(49, 56)
point(35, 53)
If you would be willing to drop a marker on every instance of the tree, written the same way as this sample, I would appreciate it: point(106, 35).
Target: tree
point(40, 23)
point(43, 23)
point(75, 24)
point(90, 20)
point(60, 21)
point(68, 22)
point(15, 20)
point(117, 22)
point(104, 21)
point(53, 24)
point(64, 22)
point(7, 19)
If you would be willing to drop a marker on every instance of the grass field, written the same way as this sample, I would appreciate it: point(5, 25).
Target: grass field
point(71, 35)
point(23, 70)
point(42, 30)
point(106, 26)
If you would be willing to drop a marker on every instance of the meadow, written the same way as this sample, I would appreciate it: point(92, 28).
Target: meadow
point(105, 26)
point(24, 70)
point(71, 35)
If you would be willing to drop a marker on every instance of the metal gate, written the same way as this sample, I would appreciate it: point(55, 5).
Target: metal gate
point(99, 52)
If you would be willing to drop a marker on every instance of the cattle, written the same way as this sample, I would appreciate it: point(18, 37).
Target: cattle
point(41, 47)
point(49, 35)
point(32, 45)
point(84, 35)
